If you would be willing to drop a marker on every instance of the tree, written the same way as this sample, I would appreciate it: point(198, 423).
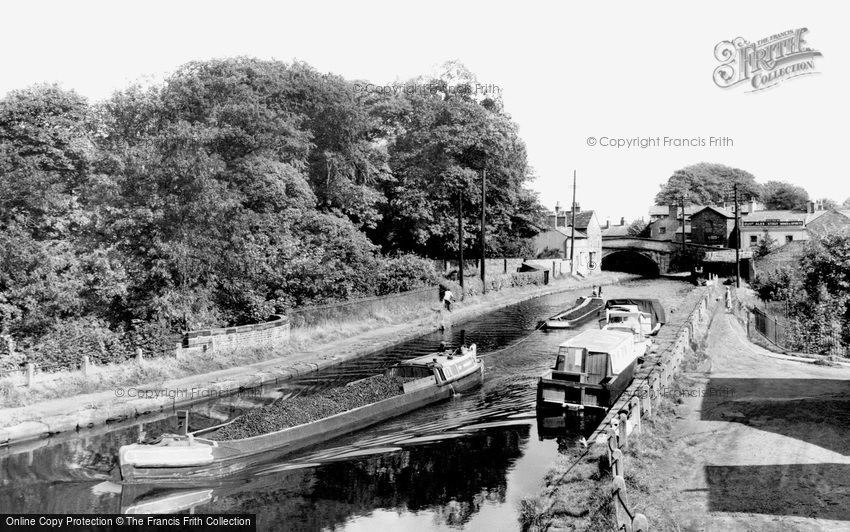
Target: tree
point(636, 227)
point(439, 150)
point(846, 204)
point(827, 203)
point(707, 184)
point(766, 245)
point(784, 196)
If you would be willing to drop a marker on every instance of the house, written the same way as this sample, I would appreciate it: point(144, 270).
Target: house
point(782, 226)
point(658, 212)
point(712, 226)
point(622, 229)
point(828, 222)
point(669, 227)
point(555, 239)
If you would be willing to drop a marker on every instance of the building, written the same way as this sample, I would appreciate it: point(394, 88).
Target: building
point(669, 227)
point(828, 222)
point(712, 226)
point(621, 229)
point(554, 241)
point(781, 226)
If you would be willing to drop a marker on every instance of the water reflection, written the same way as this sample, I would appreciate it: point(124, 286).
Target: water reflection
point(462, 463)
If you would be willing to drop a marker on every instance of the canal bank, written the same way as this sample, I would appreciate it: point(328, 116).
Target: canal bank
point(577, 493)
point(79, 412)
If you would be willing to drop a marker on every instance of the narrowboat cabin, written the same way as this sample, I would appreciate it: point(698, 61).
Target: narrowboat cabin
point(591, 370)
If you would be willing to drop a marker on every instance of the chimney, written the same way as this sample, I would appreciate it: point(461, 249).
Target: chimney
point(674, 211)
point(810, 207)
point(578, 208)
point(622, 220)
point(607, 223)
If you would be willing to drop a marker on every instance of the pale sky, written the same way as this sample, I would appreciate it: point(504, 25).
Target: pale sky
point(566, 71)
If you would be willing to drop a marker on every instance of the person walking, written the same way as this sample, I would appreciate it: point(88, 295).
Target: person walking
point(448, 298)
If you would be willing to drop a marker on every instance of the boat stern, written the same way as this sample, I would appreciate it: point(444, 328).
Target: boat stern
point(136, 458)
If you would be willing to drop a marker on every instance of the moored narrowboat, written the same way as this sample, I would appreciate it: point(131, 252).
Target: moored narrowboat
point(584, 309)
point(591, 370)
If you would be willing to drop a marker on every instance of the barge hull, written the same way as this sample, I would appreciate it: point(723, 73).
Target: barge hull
point(235, 455)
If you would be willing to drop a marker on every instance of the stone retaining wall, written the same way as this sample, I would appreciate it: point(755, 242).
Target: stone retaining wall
point(273, 333)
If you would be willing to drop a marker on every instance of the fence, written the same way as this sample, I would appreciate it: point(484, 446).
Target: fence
point(775, 328)
point(640, 401)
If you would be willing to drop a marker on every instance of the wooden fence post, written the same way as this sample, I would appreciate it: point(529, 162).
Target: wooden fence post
point(139, 355)
point(621, 502)
point(30, 373)
point(86, 367)
point(640, 524)
point(623, 429)
point(617, 463)
point(634, 412)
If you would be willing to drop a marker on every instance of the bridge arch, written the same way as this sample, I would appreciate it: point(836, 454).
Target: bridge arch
point(631, 261)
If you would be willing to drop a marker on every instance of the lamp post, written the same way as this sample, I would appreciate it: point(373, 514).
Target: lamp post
point(460, 238)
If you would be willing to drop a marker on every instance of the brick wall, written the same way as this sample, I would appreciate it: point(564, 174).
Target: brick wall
point(272, 334)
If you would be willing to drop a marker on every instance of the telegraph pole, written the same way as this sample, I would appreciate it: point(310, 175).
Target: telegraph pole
point(683, 228)
point(460, 238)
point(483, 233)
point(737, 240)
point(573, 227)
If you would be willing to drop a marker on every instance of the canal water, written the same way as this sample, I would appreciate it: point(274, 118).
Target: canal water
point(462, 464)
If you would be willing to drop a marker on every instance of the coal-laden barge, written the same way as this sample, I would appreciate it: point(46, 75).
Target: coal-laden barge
point(222, 450)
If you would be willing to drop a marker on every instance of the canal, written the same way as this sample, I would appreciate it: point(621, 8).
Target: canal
point(462, 464)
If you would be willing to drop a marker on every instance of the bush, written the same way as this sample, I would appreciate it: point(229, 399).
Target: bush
point(64, 346)
point(401, 273)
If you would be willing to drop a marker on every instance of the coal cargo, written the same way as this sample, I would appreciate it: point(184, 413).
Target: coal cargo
point(304, 409)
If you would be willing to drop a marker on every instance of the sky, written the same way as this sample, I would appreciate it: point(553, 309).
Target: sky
point(566, 71)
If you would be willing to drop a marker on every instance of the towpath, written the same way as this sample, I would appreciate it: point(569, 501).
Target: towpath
point(757, 443)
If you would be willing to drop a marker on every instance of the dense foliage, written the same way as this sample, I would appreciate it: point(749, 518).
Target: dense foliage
point(236, 189)
point(817, 294)
point(784, 196)
point(707, 184)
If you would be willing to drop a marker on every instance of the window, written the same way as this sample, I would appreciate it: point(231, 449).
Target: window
point(662, 230)
point(789, 238)
point(754, 239)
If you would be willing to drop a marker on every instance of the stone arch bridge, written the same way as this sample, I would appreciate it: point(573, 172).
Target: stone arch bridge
point(641, 255)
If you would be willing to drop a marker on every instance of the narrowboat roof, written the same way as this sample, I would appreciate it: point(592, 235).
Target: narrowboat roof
point(441, 358)
point(600, 341)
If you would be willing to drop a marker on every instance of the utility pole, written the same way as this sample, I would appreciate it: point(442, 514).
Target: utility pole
point(683, 228)
point(460, 238)
point(737, 240)
point(573, 227)
point(483, 232)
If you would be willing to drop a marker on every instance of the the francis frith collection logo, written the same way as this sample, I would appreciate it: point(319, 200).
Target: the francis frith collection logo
point(764, 63)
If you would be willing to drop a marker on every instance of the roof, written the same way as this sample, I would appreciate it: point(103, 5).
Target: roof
point(784, 216)
point(566, 232)
point(616, 230)
point(663, 210)
point(599, 340)
point(718, 210)
point(583, 219)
